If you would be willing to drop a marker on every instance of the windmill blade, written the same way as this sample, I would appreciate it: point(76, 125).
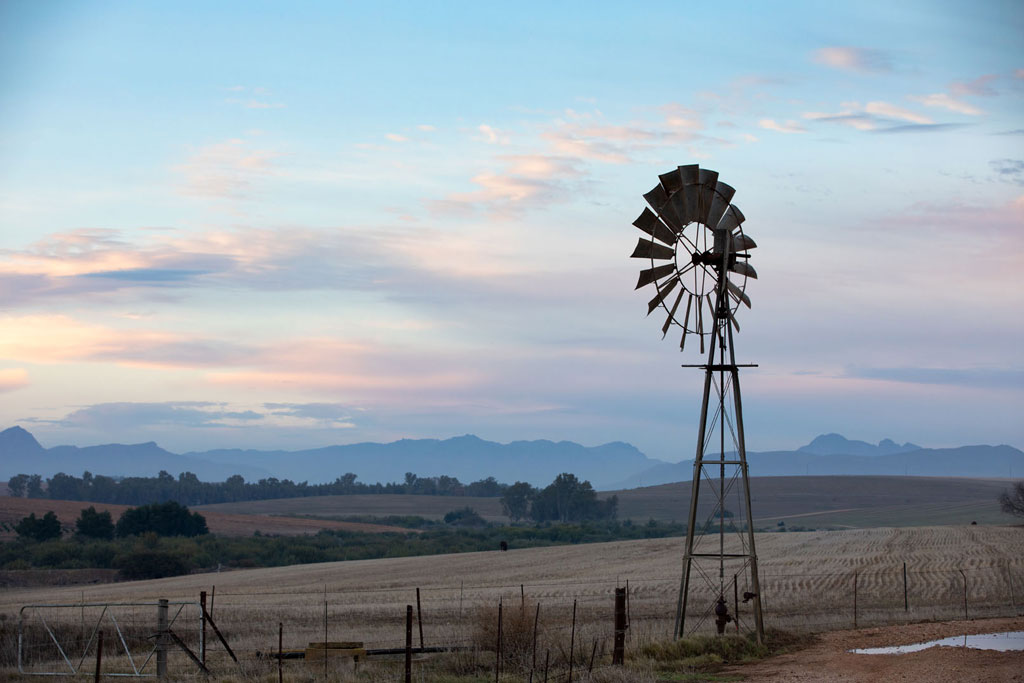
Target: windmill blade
point(652, 225)
point(742, 242)
point(738, 293)
point(732, 219)
point(720, 202)
point(732, 319)
point(651, 274)
point(711, 310)
point(658, 199)
point(700, 327)
point(721, 239)
point(653, 250)
point(691, 190)
point(708, 180)
point(678, 203)
point(744, 268)
point(672, 314)
point(686, 322)
point(663, 291)
point(671, 181)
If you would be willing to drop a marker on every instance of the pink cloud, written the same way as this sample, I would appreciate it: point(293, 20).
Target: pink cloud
point(12, 379)
point(945, 101)
point(786, 127)
point(225, 170)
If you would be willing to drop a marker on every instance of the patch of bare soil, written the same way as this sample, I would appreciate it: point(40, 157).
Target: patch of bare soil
point(12, 510)
point(829, 658)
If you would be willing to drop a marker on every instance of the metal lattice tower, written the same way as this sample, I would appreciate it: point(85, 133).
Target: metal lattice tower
point(699, 251)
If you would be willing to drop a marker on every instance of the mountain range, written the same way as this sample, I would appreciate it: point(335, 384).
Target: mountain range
point(610, 466)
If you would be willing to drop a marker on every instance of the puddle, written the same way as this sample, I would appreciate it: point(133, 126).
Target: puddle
point(1004, 642)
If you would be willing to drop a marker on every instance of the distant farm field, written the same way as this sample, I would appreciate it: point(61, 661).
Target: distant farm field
point(814, 502)
point(12, 510)
point(378, 505)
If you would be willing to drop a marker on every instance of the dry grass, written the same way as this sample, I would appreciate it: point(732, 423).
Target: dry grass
point(806, 585)
point(12, 510)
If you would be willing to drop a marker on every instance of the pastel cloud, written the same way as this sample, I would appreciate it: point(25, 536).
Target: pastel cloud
point(12, 379)
point(944, 101)
point(873, 116)
point(785, 127)
point(225, 170)
point(978, 87)
point(857, 59)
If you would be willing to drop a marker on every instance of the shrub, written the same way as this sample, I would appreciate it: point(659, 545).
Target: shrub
point(466, 516)
point(42, 529)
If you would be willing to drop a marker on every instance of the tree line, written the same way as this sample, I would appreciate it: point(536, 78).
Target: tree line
point(189, 490)
point(163, 519)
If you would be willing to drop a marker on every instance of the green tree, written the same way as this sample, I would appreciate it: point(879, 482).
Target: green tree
point(165, 519)
point(92, 524)
point(34, 486)
point(466, 516)
point(41, 529)
point(16, 485)
point(567, 499)
point(516, 500)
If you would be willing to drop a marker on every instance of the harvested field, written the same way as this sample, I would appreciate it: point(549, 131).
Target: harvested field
point(12, 510)
point(807, 582)
point(837, 502)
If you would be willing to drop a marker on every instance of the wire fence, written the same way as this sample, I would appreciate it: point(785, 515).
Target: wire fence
point(556, 625)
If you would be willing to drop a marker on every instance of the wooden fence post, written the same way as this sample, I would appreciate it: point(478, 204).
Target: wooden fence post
point(619, 647)
point(408, 644)
point(533, 657)
point(161, 639)
point(280, 652)
point(99, 655)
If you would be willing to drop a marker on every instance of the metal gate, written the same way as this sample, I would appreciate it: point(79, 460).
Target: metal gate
point(61, 639)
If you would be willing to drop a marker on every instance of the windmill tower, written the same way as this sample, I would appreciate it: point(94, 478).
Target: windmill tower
point(699, 266)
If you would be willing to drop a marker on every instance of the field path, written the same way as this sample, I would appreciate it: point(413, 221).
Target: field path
point(829, 659)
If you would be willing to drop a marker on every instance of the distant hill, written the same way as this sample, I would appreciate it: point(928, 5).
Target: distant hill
point(615, 465)
point(467, 457)
point(965, 461)
point(21, 453)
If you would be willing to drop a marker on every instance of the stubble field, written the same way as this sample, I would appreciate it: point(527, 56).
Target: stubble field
point(807, 584)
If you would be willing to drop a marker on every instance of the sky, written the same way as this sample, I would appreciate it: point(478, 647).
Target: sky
point(290, 225)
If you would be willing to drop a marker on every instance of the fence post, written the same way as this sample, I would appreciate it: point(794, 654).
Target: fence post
point(965, 593)
point(619, 648)
point(280, 652)
point(202, 627)
point(161, 639)
point(736, 602)
point(99, 655)
point(906, 602)
point(408, 644)
point(533, 658)
point(572, 639)
point(497, 649)
point(419, 616)
point(855, 599)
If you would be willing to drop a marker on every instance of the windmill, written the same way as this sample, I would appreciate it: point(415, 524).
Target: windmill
point(699, 266)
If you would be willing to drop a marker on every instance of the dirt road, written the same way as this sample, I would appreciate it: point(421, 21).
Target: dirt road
point(829, 659)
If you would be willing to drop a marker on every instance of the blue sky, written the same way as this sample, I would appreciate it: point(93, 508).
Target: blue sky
point(290, 225)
